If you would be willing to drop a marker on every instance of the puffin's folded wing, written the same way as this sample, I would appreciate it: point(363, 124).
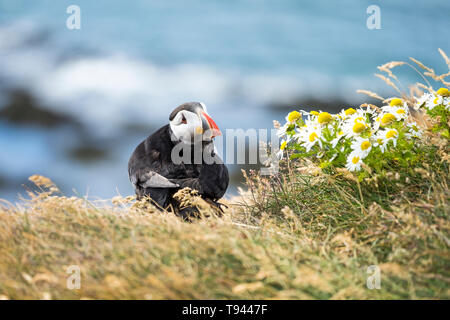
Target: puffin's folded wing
point(151, 179)
point(193, 183)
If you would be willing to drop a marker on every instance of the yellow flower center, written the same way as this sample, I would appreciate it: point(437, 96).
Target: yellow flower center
point(349, 111)
point(435, 101)
point(341, 133)
point(444, 92)
point(293, 116)
point(396, 102)
point(314, 113)
point(283, 145)
point(324, 117)
point(312, 137)
point(379, 140)
point(358, 128)
point(355, 160)
point(365, 145)
point(358, 119)
point(391, 134)
point(401, 111)
point(387, 118)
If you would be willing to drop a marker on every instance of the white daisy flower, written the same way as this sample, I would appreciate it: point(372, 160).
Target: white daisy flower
point(361, 147)
point(433, 102)
point(381, 142)
point(400, 113)
point(390, 135)
point(358, 116)
point(354, 127)
point(397, 107)
point(346, 113)
point(423, 99)
point(354, 162)
point(384, 119)
point(309, 136)
point(414, 130)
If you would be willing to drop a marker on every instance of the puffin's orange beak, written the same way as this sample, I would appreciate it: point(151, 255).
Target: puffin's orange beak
point(212, 125)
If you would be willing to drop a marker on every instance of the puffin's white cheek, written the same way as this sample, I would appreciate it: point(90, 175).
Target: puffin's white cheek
point(188, 132)
point(183, 132)
point(180, 131)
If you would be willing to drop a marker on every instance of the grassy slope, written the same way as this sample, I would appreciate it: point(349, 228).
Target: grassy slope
point(320, 248)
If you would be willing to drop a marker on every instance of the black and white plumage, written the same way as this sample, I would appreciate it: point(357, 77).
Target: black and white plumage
point(153, 171)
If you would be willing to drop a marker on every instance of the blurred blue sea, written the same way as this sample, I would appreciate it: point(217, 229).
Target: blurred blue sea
point(110, 84)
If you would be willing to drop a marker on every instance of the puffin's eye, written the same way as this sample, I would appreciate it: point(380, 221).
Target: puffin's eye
point(183, 119)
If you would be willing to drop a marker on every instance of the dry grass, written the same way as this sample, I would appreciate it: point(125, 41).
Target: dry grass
point(418, 88)
point(127, 253)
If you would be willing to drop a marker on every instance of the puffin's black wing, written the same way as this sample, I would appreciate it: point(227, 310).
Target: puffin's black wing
point(212, 182)
point(215, 180)
point(147, 169)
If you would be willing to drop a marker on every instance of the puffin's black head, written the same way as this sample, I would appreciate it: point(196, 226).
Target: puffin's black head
point(190, 122)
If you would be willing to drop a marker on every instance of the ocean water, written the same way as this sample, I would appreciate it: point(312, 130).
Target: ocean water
point(132, 62)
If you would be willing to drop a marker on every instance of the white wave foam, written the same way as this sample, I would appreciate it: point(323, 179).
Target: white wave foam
point(107, 91)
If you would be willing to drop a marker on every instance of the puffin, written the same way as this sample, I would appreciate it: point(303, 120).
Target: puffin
point(178, 155)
